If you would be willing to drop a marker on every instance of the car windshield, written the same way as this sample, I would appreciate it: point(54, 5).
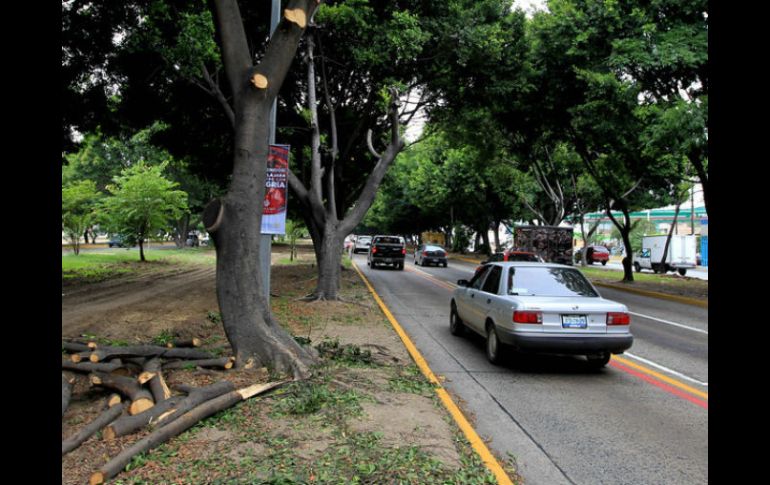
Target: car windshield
point(364, 239)
point(545, 281)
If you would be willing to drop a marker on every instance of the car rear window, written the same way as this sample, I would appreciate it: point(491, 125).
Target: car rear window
point(547, 281)
point(523, 257)
point(434, 248)
point(388, 240)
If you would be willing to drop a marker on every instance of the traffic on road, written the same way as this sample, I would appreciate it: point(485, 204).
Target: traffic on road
point(640, 418)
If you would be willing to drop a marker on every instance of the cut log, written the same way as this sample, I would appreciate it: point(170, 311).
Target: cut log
point(130, 424)
point(195, 397)
point(87, 367)
point(193, 342)
point(113, 400)
point(165, 433)
point(109, 415)
point(66, 392)
point(152, 374)
point(149, 351)
point(80, 356)
point(141, 398)
point(75, 347)
point(223, 362)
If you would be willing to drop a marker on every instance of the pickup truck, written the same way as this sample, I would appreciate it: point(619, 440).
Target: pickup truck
point(387, 250)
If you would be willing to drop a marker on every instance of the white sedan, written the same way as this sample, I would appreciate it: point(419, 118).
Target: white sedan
point(539, 307)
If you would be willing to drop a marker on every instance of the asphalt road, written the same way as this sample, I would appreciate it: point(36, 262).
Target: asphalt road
point(641, 420)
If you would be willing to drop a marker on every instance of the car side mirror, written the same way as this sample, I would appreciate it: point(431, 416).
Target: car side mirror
point(462, 282)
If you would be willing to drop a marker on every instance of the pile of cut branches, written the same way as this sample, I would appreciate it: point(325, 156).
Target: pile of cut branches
point(141, 398)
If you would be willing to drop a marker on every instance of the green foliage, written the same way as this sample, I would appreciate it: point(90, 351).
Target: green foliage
point(142, 202)
point(302, 398)
point(412, 381)
point(79, 202)
point(348, 354)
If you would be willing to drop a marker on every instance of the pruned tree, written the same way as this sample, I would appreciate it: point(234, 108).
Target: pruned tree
point(234, 220)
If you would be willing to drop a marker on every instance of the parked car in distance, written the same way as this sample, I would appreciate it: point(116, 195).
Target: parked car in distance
point(362, 244)
point(599, 254)
point(387, 250)
point(192, 240)
point(118, 242)
point(347, 244)
point(430, 254)
point(204, 239)
point(540, 308)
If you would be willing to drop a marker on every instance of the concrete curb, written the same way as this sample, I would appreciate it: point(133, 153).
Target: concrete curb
point(655, 294)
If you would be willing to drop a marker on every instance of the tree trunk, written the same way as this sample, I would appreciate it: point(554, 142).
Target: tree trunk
point(234, 221)
point(141, 250)
point(668, 237)
point(497, 236)
point(253, 334)
point(329, 264)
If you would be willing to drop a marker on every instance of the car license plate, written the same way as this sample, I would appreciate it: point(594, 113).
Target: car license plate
point(388, 260)
point(574, 321)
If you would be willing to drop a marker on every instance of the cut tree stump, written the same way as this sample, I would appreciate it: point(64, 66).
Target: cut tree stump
point(109, 415)
point(165, 433)
point(75, 347)
point(141, 398)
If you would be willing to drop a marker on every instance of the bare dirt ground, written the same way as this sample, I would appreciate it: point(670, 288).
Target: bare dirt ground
point(253, 444)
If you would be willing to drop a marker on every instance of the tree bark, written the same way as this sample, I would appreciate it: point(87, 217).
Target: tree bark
point(130, 424)
point(224, 362)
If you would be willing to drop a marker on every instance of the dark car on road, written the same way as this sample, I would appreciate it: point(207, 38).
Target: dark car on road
point(598, 254)
point(387, 250)
point(118, 242)
point(430, 254)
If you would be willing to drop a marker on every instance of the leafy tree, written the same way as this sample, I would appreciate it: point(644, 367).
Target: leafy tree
point(79, 202)
point(142, 203)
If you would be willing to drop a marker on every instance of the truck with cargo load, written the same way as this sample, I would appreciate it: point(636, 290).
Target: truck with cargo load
point(552, 243)
point(681, 254)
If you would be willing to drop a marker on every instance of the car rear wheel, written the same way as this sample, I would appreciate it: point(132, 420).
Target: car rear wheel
point(638, 267)
point(682, 271)
point(456, 325)
point(604, 263)
point(495, 348)
point(597, 361)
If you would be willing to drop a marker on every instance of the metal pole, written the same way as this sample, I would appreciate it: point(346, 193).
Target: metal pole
point(266, 243)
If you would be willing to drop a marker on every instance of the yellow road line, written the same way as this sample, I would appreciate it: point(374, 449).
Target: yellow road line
point(476, 442)
point(662, 377)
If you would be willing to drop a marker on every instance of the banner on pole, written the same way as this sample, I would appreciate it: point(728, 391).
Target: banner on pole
point(276, 190)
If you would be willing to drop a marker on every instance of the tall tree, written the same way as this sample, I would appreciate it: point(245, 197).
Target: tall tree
point(234, 220)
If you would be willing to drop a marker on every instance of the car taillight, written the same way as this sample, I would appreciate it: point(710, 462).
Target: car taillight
point(403, 251)
point(374, 249)
point(425, 253)
point(618, 318)
point(527, 317)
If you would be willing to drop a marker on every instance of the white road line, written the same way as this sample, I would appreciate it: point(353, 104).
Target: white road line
point(666, 369)
point(667, 322)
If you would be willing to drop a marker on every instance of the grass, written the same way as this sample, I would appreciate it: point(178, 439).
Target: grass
point(669, 284)
point(92, 267)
